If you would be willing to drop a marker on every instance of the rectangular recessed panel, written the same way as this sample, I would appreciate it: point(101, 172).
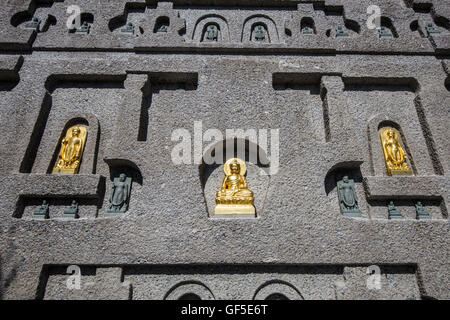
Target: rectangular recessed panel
point(230, 282)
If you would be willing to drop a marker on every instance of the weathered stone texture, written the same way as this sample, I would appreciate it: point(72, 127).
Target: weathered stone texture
point(327, 96)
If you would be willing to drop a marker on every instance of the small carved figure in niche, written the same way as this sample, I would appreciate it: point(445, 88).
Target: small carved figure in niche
point(129, 29)
point(421, 213)
point(42, 211)
point(260, 33)
point(162, 26)
point(431, 29)
point(234, 197)
point(394, 155)
point(33, 24)
point(394, 213)
point(72, 147)
point(212, 33)
point(340, 32)
point(85, 28)
point(384, 32)
point(72, 212)
point(120, 195)
point(307, 30)
point(348, 199)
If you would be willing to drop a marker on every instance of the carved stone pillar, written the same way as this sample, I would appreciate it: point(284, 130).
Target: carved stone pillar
point(127, 124)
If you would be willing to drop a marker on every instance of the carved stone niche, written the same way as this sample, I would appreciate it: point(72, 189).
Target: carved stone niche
point(337, 181)
point(35, 18)
point(126, 172)
point(86, 22)
point(89, 158)
point(277, 290)
point(211, 173)
point(260, 29)
point(162, 25)
point(149, 21)
point(165, 23)
point(208, 26)
point(380, 123)
point(345, 29)
point(307, 26)
point(189, 290)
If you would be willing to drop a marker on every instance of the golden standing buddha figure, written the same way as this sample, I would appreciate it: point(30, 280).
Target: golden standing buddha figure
point(234, 197)
point(394, 155)
point(72, 147)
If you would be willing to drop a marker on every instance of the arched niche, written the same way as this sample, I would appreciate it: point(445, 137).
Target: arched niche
point(351, 28)
point(276, 296)
point(21, 19)
point(307, 22)
point(205, 32)
point(336, 173)
point(84, 17)
point(117, 166)
point(377, 162)
point(254, 31)
point(260, 20)
point(190, 296)
point(89, 159)
point(211, 170)
point(203, 23)
point(386, 22)
point(277, 290)
point(162, 23)
point(189, 290)
point(36, 9)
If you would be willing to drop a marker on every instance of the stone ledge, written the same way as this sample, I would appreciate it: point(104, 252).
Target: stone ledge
point(16, 39)
point(344, 46)
point(10, 63)
point(441, 44)
point(52, 185)
point(406, 187)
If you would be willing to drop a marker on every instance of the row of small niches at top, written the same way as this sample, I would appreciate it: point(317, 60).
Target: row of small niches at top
point(211, 32)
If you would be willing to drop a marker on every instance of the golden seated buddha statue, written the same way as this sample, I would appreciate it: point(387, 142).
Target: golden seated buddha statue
point(234, 197)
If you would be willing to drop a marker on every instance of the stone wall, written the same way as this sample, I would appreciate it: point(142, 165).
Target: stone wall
point(327, 95)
